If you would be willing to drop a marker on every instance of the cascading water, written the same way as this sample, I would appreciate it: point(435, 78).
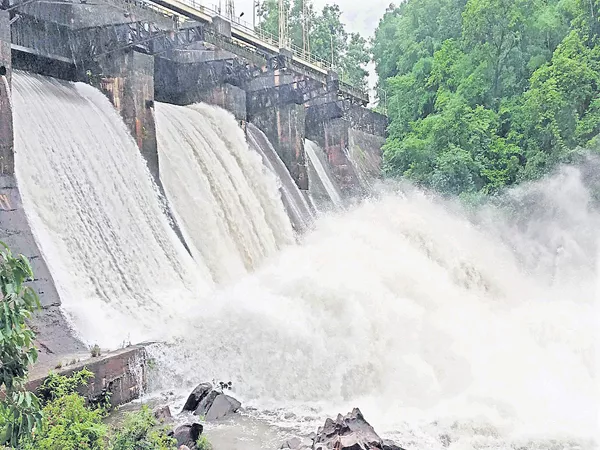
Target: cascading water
point(316, 158)
point(446, 332)
point(225, 199)
point(296, 205)
point(119, 268)
point(435, 327)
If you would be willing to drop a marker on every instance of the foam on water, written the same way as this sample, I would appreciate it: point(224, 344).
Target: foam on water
point(432, 324)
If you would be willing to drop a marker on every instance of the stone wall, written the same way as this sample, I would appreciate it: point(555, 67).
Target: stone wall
point(122, 373)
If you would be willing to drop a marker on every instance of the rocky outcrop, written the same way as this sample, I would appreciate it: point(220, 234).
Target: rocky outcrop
point(210, 403)
point(187, 435)
point(349, 432)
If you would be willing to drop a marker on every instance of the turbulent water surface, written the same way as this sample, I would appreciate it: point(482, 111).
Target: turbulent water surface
point(448, 328)
point(441, 329)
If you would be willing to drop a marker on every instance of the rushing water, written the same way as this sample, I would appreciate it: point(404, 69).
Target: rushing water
point(119, 268)
point(448, 328)
point(439, 328)
point(316, 158)
point(296, 205)
point(225, 200)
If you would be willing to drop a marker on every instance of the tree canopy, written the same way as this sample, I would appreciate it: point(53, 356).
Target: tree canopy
point(485, 93)
point(323, 34)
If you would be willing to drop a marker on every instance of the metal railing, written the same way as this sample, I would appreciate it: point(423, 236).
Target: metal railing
point(270, 39)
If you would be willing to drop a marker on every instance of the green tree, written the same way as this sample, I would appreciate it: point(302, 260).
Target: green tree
point(19, 410)
point(323, 33)
point(485, 93)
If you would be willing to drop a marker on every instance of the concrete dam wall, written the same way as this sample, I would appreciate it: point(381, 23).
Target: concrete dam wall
point(136, 60)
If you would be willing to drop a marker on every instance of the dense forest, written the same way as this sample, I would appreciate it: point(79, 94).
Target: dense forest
point(486, 93)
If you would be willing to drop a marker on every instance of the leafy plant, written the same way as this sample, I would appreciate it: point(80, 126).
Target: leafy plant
point(95, 351)
point(19, 411)
point(56, 386)
point(141, 432)
point(203, 443)
point(70, 425)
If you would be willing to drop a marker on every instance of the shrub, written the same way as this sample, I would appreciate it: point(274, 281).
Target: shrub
point(203, 443)
point(70, 425)
point(140, 432)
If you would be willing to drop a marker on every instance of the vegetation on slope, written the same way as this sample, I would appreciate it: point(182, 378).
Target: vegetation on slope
point(482, 94)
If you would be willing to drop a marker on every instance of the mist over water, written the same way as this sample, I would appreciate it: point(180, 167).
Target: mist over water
point(431, 323)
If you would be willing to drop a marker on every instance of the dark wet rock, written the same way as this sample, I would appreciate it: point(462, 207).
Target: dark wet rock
point(196, 396)
point(187, 435)
point(163, 414)
point(217, 405)
point(349, 432)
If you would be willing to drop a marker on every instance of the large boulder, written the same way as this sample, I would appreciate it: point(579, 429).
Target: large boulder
point(187, 434)
point(212, 404)
point(217, 405)
point(196, 396)
point(349, 432)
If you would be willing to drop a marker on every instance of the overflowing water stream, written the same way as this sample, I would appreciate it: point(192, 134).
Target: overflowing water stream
point(448, 328)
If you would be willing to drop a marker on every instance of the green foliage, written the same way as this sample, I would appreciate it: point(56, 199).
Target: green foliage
point(19, 411)
point(323, 34)
point(484, 93)
point(140, 432)
point(56, 386)
point(70, 425)
point(203, 443)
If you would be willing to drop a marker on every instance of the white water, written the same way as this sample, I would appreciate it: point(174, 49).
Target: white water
point(312, 152)
point(426, 322)
point(296, 205)
point(119, 268)
point(226, 201)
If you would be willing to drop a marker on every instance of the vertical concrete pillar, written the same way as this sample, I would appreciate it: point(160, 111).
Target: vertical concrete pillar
point(128, 81)
point(53, 333)
point(284, 125)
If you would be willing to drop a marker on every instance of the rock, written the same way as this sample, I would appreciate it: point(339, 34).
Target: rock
point(187, 435)
point(350, 432)
point(390, 445)
point(298, 444)
point(184, 447)
point(163, 414)
point(217, 405)
point(196, 396)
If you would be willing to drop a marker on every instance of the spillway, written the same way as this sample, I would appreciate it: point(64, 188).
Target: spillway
point(225, 199)
point(120, 270)
point(323, 177)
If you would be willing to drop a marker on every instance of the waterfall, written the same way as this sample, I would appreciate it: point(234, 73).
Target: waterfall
point(118, 266)
point(225, 200)
point(296, 205)
point(323, 176)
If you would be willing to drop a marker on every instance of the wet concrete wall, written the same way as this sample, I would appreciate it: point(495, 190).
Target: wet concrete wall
point(284, 125)
point(128, 81)
point(53, 333)
point(121, 372)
